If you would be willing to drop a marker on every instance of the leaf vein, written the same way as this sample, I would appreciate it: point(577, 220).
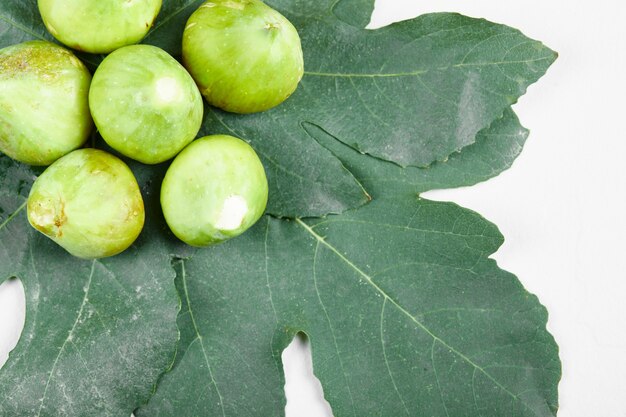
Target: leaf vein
point(199, 337)
point(432, 360)
point(382, 343)
point(22, 28)
point(170, 17)
point(13, 215)
point(69, 337)
point(421, 325)
point(330, 326)
point(269, 290)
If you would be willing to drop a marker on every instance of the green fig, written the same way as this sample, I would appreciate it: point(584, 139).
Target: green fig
point(214, 190)
point(245, 56)
point(44, 107)
point(145, 104)
point(99, 26)
point(89, 203)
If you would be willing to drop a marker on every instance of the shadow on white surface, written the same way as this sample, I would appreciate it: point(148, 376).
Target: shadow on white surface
point(305, 396)
point(12, 316)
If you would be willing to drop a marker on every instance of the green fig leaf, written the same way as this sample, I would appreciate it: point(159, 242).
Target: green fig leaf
point(412, 93)
point(98, 334)
point(406, 312)
point(494, 151)
point(406, 315)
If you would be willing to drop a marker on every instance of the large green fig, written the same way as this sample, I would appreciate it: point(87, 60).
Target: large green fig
point(245, 56)
point(99, 26)
point(89, 203)
point(214, 190)
point(145, 104)
point(44, 109)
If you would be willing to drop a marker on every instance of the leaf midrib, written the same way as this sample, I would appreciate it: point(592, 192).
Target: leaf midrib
point(13, 215)
point(415, 229)
point(386, 296)
point(417, 73)
point(365, 75)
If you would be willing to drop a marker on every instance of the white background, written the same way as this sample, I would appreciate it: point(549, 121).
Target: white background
point(562, 207)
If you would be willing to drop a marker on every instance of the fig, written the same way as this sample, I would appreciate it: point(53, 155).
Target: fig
point(145, 104)
point(98, 26)
point(44, 106)
point(89, 203)
point(245, 56)
point(214, 190)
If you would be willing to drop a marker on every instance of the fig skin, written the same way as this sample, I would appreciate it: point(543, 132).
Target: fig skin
point(215, 190)
point(245, 56)
point(99, 26)
point(89, 203)
point(145, 104)
point(44, 107)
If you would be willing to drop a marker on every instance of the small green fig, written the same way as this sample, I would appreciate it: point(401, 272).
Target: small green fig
point(89, 203)
point(145, 104)
point(99, 26)
point(44, 108)
point(214, 190)
point(245, 56)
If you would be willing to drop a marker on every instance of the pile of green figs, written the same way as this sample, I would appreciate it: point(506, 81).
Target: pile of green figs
point(240, 55)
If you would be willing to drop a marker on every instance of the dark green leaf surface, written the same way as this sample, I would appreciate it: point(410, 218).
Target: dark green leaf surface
point(167, 31)
point(98, 334)
point(415, 91)
point(354, 12)
point(305, 178)
point(412, 93)
point(20, 21)
point(405, 312)
point(495, 150)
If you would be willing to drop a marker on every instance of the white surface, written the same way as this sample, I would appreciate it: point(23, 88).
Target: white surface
point(562, 207)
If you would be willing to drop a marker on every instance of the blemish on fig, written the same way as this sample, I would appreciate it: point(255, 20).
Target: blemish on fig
point(235, 5)
point(49, 217)
point(52, 29)
point(60, 218)
point(167, 89)
point(76, 62)
point(233, 212)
